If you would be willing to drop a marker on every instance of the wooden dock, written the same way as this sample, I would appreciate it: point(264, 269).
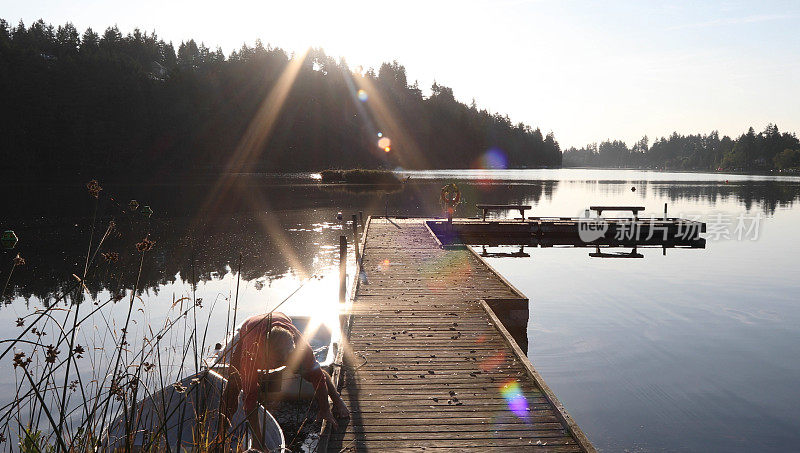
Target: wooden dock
point(426, 362)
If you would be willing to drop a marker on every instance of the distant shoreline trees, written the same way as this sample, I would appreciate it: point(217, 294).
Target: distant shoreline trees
point(81, 105)
point(765, 151)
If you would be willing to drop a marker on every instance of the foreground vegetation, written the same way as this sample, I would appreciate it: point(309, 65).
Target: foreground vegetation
point(85, 358)
point(135, 107)
point(767, 150)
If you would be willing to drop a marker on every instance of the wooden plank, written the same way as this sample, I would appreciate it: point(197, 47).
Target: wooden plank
point(564, 444)
point(456, 367)
point(408, 341)
point(454, 421)
point(481, 449)
point(462, 427)
point(388, 388)
point(427, 392)
point(399, 386)
point(433, 387)
point(390, 377)
point(430, 398)
point(431, 372)
point(425, 404)
point(557, 435)
point(421, 353)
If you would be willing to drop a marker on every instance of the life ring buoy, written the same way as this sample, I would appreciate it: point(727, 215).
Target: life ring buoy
point(450, 195)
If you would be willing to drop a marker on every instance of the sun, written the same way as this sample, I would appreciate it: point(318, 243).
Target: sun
point(364, 33)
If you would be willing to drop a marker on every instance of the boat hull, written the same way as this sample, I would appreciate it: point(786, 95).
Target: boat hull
point(186, 415)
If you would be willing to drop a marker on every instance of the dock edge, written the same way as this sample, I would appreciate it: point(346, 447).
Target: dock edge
point(561, 411)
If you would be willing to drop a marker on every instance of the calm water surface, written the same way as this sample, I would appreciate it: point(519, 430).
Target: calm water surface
point(694, 350)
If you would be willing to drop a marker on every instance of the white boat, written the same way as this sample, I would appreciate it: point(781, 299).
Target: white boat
point(184, 416)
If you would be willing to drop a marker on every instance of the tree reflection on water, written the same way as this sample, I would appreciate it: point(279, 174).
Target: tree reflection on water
point(279, 224)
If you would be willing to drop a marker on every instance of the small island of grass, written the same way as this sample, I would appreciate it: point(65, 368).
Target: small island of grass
point(360, 176)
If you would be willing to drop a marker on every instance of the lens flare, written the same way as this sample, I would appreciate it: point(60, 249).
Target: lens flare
point(493, 159)
point(458, 272)
point(380, 134)
point(362, 96)
point(494, 361)
point(384, 142)
point(517, 403)
point(387, 149)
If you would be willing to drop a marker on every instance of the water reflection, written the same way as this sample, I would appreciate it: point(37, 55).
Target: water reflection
point(54, 224)
point(505, 254)
point(183, 252)
point(284, 226)
point(766, 196)
point(291, 229)
point(599, 252)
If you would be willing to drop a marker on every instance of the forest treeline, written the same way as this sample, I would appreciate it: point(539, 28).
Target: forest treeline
point(132, 106)
point(770, 149)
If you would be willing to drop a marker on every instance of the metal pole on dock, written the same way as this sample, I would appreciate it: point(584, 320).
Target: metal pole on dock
point(355, 236)
point(342, 268)
point(665, 211)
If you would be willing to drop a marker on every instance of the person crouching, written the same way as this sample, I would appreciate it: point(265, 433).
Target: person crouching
point(267, 342)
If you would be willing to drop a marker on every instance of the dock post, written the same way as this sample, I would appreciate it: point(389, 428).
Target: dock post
point(665, 211)
point(355, 235)
point(361, 218)
point(342, 268)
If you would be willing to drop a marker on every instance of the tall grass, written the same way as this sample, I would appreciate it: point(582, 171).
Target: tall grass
point(77, 370)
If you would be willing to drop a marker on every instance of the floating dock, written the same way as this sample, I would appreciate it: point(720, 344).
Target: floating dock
point(427, 362)
point(576, 231)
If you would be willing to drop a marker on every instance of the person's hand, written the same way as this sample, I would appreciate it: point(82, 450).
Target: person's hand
point(326, 414)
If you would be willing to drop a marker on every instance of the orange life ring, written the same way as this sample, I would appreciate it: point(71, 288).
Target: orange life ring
point(451, 196)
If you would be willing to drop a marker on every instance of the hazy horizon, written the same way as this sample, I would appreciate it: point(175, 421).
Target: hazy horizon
point(585, 72)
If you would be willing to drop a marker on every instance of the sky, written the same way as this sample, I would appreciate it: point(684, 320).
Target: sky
point(585, 70)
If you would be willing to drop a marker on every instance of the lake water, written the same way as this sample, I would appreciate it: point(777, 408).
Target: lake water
point(692, 350)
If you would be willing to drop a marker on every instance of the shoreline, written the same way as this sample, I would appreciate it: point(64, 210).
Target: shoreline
point(313, 178)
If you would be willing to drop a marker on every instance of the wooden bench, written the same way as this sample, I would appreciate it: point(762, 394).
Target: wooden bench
point(500, 207)
point(634, 209)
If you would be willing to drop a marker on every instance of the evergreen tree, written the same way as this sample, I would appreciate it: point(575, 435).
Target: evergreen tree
point(78, 105)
